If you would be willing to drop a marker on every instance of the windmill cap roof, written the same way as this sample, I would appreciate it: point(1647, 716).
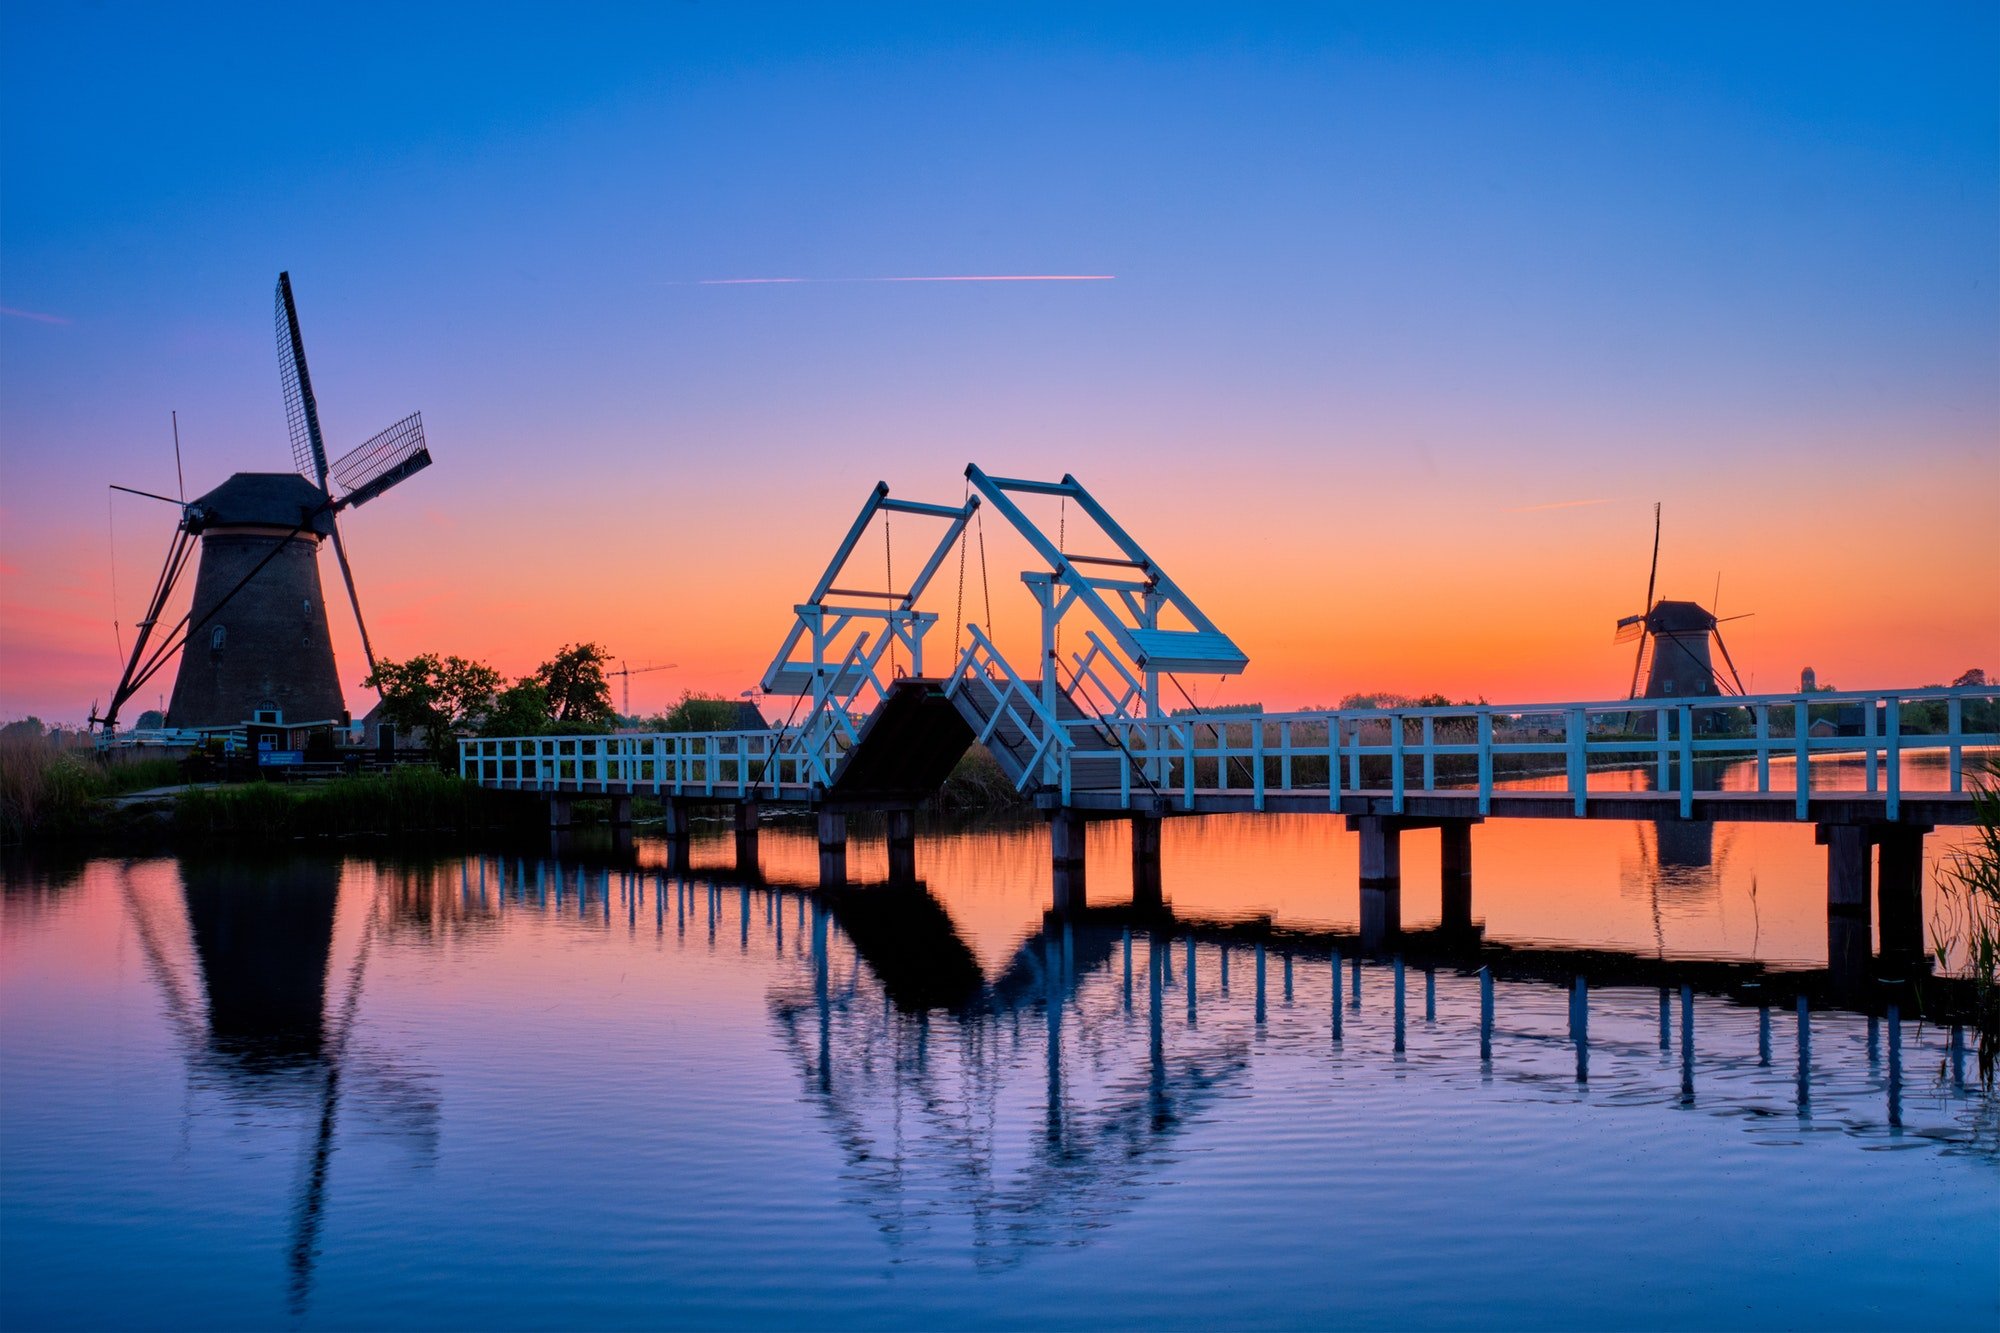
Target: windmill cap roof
point(262, 499)
point(1679, 618)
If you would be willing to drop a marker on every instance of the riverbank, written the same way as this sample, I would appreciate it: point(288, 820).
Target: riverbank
point(50, 797)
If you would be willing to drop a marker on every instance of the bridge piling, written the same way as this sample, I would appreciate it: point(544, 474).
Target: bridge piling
point(902, 845)
point(747, 817)
point(1146, 861)
point(1849, 876)
point(621, 811)
point(1899, 892)
point(561, 812)
point(832, 849)
point(1381, 878)
point(1455, 860)
point(676, 828)
point(1066, 855)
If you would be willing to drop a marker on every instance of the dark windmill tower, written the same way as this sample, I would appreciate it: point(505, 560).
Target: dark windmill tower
point(1674, 657)
point(254, 645)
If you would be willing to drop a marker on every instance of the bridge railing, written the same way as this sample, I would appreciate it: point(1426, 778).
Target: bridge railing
point(1013, 703)
point(693, 763)
point(1689, 747)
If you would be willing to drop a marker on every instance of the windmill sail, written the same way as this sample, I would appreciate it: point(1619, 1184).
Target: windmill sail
point(301, 408)
point(372, 468)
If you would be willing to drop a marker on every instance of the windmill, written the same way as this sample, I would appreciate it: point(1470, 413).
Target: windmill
point(270, 657)
point(1673, 654)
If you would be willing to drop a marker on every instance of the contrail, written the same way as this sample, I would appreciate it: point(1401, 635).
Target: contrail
point(948, 277)
point(32, 314)
point(1559, 504)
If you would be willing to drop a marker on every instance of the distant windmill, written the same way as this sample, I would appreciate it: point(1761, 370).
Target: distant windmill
point(270, 657)
point(1673, 655)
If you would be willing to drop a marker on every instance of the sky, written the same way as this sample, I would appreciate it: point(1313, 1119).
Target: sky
point(1404, 318)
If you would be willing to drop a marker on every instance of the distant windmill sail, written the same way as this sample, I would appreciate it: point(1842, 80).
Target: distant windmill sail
point(301, 408)
point(1674, 657)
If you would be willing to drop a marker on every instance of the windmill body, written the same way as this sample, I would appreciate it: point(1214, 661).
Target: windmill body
point(1678, 642)
point(254, 646)
point(1681, 665)
point(264, 652)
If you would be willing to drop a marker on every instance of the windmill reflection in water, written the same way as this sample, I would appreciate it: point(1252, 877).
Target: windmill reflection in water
point(246, 965)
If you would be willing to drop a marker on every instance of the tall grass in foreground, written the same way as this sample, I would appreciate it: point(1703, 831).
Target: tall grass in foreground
point(48, 789)
point(1968, 914)
point(410, 799)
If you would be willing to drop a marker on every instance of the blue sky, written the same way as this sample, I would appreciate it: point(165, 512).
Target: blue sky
point(1365, 258)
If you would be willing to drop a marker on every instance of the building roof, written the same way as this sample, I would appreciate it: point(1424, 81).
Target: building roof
point(262, 499)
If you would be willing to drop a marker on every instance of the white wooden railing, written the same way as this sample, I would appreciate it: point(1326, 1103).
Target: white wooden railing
point(1692, 747)
point(693, 763)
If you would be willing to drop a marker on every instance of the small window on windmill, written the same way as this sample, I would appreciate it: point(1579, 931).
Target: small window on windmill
point(216, 638)
point(307, 605)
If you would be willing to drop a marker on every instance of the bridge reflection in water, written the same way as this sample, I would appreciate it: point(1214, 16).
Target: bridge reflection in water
point(1040, 1100)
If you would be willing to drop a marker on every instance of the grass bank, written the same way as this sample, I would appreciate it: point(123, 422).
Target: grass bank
point(403, 801)
point(51, 791)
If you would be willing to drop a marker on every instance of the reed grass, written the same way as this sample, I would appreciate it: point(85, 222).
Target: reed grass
point(50, 790)
point(1968, 916)
point(410, 799)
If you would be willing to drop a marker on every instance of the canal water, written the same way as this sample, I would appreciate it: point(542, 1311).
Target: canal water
point(520, 1090)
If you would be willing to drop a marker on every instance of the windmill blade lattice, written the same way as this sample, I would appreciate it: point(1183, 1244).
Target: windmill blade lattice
point(301, 409)
point(372, 468)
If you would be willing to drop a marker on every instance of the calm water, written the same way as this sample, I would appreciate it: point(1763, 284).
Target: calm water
point(505, 1091)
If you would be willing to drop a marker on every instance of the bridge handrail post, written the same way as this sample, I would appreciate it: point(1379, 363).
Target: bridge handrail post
point(1893, 758)
point(1484, 718)
point(1575, 731)
point(1396, 729)
point(1257, 761)
point(1954, 713)
point(1763, 714)
point(1869, 730)
point(1660, 734)
point(1430, 752)
point(1687, 760)
point(1333, 763)
point(1187, 768)
point(1802, 746)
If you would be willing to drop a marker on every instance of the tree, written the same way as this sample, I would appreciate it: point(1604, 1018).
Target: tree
point(1974, 677)
point(442, 696)
point(28, 728)
point(522, 709)
point(579, 696)
point(701, 712)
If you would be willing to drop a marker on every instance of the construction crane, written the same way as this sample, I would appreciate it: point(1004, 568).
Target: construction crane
point(630, 671)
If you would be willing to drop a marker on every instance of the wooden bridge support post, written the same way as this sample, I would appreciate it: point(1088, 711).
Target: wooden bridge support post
point(677, 829)
point(1848, 929)
point(1381, 879)
point(621, 811)
point(832, 849)
point(902, 846)
point(1899, 893)
point(1066, 859)
point(747, 816)
point(1455, 861)
point(561, 812)
point(1146, 861)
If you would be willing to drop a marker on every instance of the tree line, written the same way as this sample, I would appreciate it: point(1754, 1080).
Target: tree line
point(443, 697)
